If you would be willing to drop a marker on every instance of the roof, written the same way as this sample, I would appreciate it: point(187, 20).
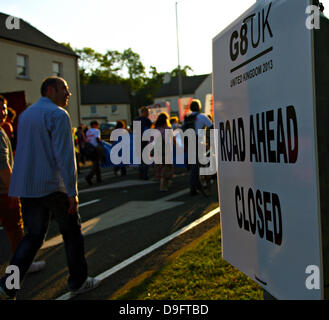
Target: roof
point(189, 86)
point(103, 93)
point(29, 35)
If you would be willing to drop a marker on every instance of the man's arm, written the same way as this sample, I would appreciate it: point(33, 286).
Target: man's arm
point(5, 167)
point(5, 175)
point(63, 148)
point(207, 122)
point(98, 138)
point(73, 204)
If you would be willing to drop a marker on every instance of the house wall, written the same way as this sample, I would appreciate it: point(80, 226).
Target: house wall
point(39, 67)
point(105, 113)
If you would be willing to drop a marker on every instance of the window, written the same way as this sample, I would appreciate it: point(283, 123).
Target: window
point(114, 109)
point(22, 66)
point(93, 109)
point(57, 69)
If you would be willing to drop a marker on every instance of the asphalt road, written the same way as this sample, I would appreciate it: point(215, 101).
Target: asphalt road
point(120, 218)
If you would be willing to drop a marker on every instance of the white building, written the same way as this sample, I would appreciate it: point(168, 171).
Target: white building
point(27, 57)
point(105, 103)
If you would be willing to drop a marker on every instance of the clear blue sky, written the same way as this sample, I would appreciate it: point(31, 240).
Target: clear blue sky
point(146, 26)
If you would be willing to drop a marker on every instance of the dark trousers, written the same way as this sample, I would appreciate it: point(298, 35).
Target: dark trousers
point(143, 171)
point(95, 170)
point(195, 183)
point(122, 169)
point(11, 220)
point(143, 167)
point(194, 169)
point(36, 215)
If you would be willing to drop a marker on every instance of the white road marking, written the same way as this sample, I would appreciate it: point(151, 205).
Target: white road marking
point(175, 195)
point(148, 250)
point(88, 203)
point(127, 212)
point(121, 184)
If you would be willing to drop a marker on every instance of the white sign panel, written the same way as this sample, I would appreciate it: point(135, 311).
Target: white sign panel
point(264, 113)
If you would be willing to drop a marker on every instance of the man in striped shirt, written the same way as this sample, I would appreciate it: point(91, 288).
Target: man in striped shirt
point(44, 177)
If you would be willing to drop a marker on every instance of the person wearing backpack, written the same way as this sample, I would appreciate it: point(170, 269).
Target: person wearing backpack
point(146, 124)
point(196, 120)
point(94, 150)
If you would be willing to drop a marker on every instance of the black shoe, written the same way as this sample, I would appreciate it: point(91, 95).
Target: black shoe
point(88, 180)
point(197, 192)
point(201, 190)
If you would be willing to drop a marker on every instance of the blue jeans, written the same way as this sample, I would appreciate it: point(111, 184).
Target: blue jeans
point(36, 215)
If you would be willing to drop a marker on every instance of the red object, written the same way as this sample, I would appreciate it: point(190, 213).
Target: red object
point(17, 101)
point(184, 107)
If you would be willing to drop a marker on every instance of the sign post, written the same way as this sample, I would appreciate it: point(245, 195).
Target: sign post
point(267, 115)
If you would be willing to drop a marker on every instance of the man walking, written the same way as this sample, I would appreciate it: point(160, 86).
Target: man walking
point(44, 177)
point(199, 121)
point(146, 124)
point(93, 136)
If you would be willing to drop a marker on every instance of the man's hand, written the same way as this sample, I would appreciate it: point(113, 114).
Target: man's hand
point(73, 205)
point(13, 203)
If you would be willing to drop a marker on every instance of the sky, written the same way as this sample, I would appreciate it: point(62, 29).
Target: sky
point(148, 27)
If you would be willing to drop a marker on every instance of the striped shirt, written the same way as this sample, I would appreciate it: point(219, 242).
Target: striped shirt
point(44, 160)
point(6, 158)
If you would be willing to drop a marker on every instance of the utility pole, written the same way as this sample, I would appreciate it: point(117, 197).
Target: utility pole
point(180, 90)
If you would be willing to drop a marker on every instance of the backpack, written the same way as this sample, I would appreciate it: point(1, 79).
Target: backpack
point(90, 151)
point(189, 121)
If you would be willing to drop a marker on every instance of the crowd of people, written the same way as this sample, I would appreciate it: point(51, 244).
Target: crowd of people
point(40, 180)
point(89, 145)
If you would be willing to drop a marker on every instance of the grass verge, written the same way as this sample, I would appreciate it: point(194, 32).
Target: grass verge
point(198, 273)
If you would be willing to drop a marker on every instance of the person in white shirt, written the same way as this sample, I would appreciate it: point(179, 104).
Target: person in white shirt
point(93, 136)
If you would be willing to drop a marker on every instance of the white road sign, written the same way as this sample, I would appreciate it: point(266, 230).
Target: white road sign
point(268, 184)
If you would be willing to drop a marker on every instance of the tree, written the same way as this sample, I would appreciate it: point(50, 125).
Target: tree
point(124, 68)
point(174, 72)
point(67, 45)
point(89, 59)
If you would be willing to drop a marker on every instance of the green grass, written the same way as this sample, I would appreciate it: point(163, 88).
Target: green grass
point(199, 273)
